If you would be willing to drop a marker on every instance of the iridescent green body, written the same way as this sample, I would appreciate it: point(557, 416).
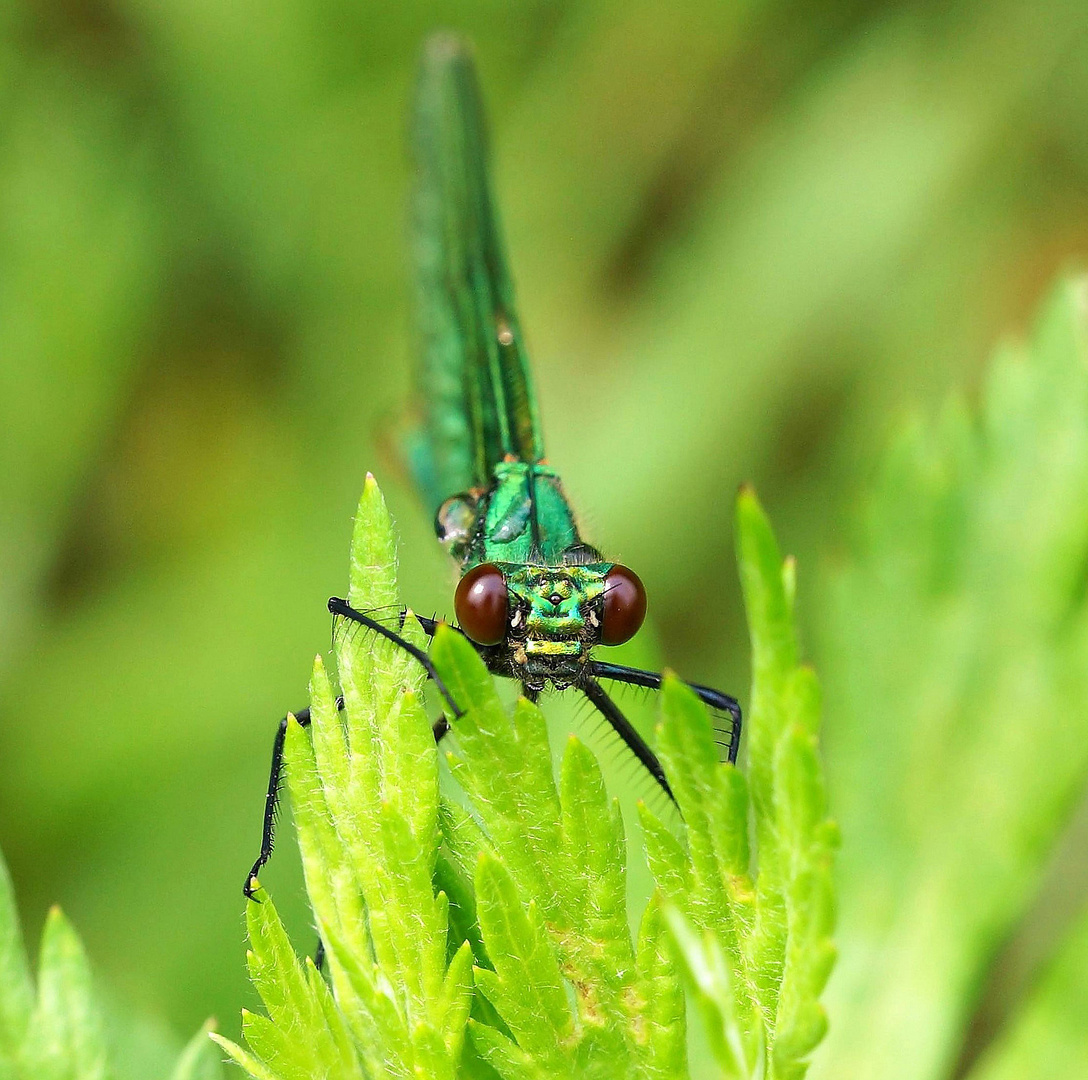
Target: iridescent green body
point(537, 598)
point(482, 459)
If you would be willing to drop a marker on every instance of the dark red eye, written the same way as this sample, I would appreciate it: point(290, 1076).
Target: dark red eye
point(624, 605)
point(481, 603)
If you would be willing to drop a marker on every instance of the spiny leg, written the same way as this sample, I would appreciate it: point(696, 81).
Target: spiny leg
point(441, 725)
point(271, 801)
point(626, 731)
point(440, 728)
point(342, 608)
point(598, 669)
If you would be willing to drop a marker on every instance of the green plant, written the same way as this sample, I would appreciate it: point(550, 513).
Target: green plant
point(745, 237)
point(958, 630)
point(57, 1032)
point(766, 951)
point(505, 917)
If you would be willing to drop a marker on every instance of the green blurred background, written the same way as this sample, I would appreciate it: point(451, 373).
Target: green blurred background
point(748, 239)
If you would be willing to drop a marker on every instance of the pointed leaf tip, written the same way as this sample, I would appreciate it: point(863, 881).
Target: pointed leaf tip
point(373, 571)
point(371, 496)
point(768, 584)
point(751, 519)
point(459, 664)
point(68, 1016)
point(198, 1060)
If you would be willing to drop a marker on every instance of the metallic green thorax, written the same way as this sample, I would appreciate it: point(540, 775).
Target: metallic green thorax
point(482, 458)
point(522, 516)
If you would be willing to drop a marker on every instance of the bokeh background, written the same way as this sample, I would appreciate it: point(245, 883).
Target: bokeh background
point(750, 239)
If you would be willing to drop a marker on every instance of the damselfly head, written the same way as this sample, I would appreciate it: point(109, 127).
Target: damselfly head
point(549, 618)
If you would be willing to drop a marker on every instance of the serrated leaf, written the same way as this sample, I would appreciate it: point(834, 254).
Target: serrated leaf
point(757, 946)
point(595, 847)
point(275, 969)
point(372, 576)
point(774, 648)
point(332, 879)
point(456, 1000)
point(572, 866)
point(661, 1032)
point(255, 1068)
point(498, 761)
point(294, 1005)
point(712, 799)
point(463, 842)
point(492, 738)
point(363, 782)
point(954, 641)
point(538, 880)
point(667, 858)
point(503, 1055)
point(738, 1046)
point(272, 1043)
point(526, 986)
point(368, 1009)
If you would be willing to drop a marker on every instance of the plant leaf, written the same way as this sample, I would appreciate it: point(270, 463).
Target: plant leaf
point(662, 1032)
point(526, 986)
point(363, 783)
point(561, 856)
point(16, 989)
point(537, 873)
point(57, 1033)
point(740, 1053)
point(65, 1038)
point(757, 947)
point(955, 646)
point(199, 1060)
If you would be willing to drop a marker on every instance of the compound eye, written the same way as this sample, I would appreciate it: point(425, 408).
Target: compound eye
point(482, 603)
point(624, 605)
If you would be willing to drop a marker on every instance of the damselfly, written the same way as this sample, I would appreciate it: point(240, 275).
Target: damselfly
point(534, 598)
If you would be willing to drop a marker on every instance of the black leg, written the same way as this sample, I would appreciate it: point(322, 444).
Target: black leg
point(626, 731)
point(441, 725)
point(341, 607)
point(597, 669)
point(271, 802)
